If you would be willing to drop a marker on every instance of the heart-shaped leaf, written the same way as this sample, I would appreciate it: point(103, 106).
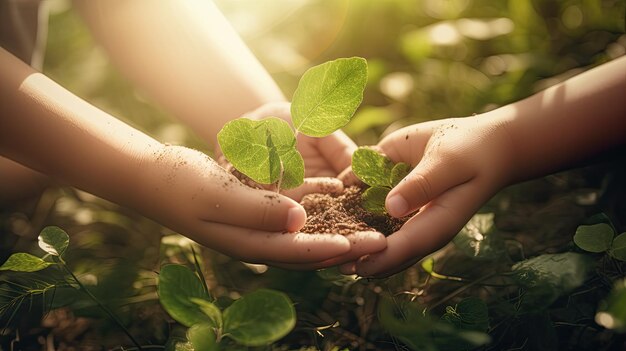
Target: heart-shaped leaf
point(594, 238)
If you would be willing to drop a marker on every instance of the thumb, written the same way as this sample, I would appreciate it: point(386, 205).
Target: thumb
point(429, 179)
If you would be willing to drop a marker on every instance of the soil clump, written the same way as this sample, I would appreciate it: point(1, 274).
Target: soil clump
point(343, 214)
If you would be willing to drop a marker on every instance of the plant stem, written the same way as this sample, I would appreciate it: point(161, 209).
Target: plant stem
point(101, 305)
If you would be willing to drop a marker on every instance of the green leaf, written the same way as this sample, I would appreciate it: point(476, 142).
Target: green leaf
point(612, 311)
point(257, 149)
point(398, 172)
point(479, 239)
point(594, 238)
point(429, 265)
point(551, 275)
point(202, 337)
point(178, 285)
point(618, 248)
point(371, 167)
point(259, 318)
point(54, 240)
point(23, 262)
point(469, 314)
point(374, 199)
point(212, 311)
point(328, 95)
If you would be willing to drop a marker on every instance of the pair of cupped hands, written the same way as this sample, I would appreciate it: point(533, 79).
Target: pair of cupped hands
point(446, 187)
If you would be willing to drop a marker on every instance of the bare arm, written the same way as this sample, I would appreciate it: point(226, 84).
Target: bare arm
point(461, 162)
point(46, 128)
point(185, 55)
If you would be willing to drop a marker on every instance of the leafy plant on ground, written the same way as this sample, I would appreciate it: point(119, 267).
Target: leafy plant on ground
point(601, 237)
point(258, 318)
point(380, 174)
point(325, 100)
point(55, 241)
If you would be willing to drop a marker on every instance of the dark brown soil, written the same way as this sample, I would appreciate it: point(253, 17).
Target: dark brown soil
point(343, 214)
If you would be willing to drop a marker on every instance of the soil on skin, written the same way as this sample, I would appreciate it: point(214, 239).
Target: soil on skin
point(334, 213)
point(343, 214)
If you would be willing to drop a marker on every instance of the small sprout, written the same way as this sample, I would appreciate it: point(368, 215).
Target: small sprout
point(326, 99)
point(380, 173)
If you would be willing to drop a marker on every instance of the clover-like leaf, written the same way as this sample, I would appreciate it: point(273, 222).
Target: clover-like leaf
point(398, 172)
point(373, 199)
point(371, 167)
point(178, 288)
point(54, 240)
point(328, 95)
point(259, 318)
point(618, 247)
point(23, 262)
point(594, 238)
point(263, 150)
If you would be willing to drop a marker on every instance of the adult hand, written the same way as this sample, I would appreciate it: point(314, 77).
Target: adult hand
point(458, 165)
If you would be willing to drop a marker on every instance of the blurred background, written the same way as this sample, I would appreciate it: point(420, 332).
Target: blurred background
point(428, 59)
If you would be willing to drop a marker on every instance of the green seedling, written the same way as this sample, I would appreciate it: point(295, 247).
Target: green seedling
point(54, 241)
point(258, 318)
point(325, 100)
point(380, 174)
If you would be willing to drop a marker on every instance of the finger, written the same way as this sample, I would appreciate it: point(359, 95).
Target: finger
point(430, 178)
point(337, 148)
point(429, 230)
point(348, 177)
point(361, 243)
point(257, 246)
point(234, 203)
point(323, 185)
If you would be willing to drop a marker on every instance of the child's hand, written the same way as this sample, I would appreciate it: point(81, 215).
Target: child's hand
point(459, 164)
point(188, 192)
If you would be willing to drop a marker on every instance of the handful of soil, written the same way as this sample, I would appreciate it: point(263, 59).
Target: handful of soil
point(343, 214)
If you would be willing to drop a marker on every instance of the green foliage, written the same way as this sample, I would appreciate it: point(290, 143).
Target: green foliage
point(478, 238)
point(202, 337)
point(461, 327)
point(600, 237)
point(258, 318)
point(548, 276)
point(23, 262)
point(54, 240)
point(594, 238)
point(178, 285)
point(326, 99)
point(263, 150)
point(328, 95)
point(380, 173)
point(618, 247)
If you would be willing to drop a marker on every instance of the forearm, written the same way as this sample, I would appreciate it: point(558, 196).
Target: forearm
point(567, 123)
point(47, 128)
point(185, 56)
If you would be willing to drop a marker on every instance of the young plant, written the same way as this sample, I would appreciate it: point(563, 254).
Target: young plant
point(258, 318)
point(325, 100)
point(380, 173)
point(54, 241)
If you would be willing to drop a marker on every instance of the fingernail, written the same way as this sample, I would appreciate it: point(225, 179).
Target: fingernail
point(296, 217)
point(397, 206)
